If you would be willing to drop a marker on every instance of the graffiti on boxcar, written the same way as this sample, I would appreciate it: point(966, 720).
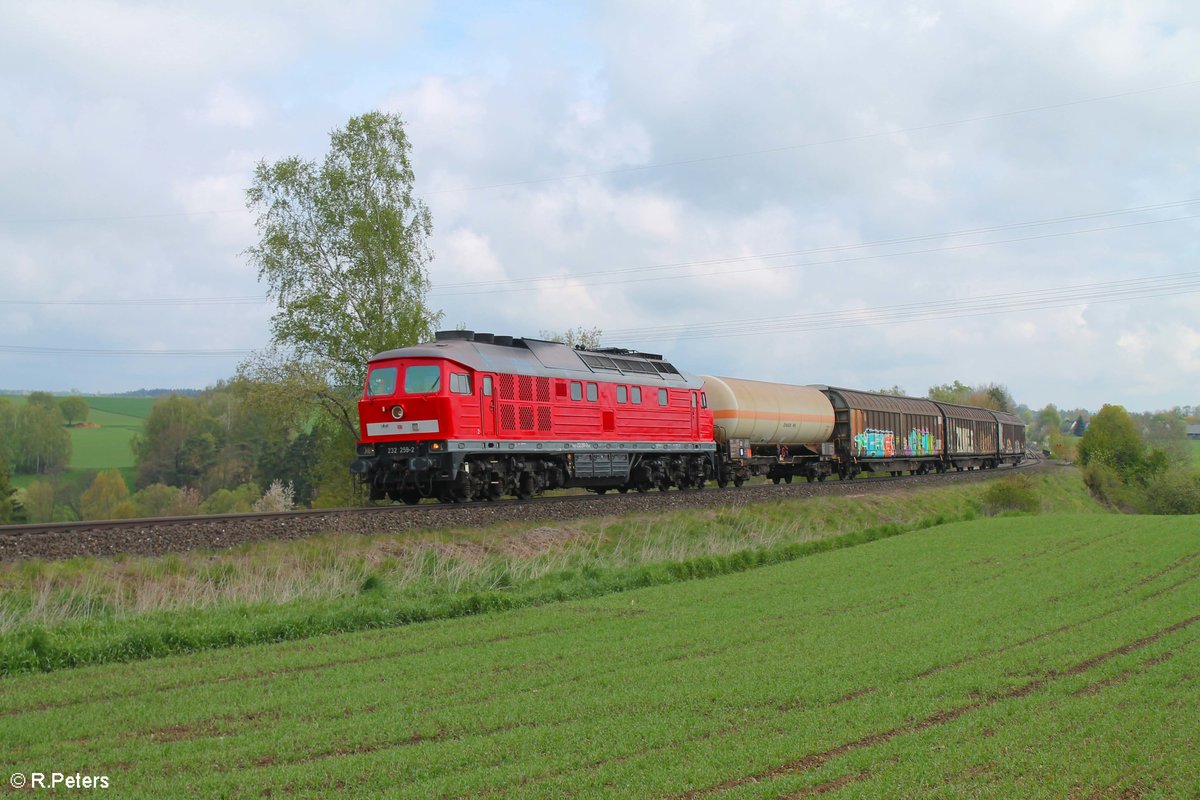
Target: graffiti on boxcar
point(964, 439)
point(921, 443)
point(875, 443)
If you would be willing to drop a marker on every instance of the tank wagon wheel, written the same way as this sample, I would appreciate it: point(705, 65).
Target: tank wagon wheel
point(809, 476)
point(737, 483)
point(623, 489)
point(776, 481)
point(787, 478)
point(722, 483)
point(821, 478)
point(602, 490)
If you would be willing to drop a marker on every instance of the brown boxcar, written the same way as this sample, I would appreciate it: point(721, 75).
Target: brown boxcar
point(885, 433)
point(972, 436)
point(1012, 437)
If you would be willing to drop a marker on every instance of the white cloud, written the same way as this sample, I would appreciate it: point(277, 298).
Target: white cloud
point(865, 122)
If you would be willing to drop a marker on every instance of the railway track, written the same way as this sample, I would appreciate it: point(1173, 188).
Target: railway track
point(160, 535)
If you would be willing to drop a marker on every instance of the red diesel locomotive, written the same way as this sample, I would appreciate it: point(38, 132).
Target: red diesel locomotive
point(476, 416)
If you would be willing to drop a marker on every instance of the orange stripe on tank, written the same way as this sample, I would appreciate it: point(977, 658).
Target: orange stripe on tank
point(772, 416)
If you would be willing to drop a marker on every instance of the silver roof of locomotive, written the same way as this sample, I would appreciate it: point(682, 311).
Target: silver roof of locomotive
point(547, 359)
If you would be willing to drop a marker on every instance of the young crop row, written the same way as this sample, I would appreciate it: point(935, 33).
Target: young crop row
point(1019, 657)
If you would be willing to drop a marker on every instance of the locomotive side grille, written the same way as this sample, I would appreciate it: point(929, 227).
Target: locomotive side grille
point(508, 417)
point(543, 390)
point(543, 415)
point(526, 413)
point(525, 383)
point(508, 387)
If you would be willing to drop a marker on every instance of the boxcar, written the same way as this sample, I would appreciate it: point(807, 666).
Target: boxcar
point(1012, 437)
point(885, 433)
point(972, 436)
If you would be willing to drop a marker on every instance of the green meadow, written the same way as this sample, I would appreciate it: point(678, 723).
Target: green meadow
point(107, 446)
point(1022, 657)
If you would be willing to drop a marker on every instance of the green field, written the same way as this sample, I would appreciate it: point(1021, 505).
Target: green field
point(105, 447)
point(1013, 657)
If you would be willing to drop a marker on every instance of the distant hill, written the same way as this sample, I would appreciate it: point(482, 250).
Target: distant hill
point(133, 393)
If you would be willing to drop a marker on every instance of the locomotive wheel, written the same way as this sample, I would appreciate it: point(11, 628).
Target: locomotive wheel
point(776, 481)
point(810, 477)
point(787, 478)
point(737, 483)
point(821, 478)
point(722, 483)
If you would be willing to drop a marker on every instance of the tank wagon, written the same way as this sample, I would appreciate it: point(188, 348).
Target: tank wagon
point(475, 416)
point(773, 429)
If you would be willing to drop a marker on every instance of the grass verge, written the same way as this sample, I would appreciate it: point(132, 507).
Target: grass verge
point(89, 611)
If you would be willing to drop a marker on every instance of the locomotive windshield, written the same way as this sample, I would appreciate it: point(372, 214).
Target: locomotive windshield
point(424, 379)
point(382, 381)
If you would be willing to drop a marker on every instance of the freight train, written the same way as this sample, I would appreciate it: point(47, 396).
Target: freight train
point(477, 416)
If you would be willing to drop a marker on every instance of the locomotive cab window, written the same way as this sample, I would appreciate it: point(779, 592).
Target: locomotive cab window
point(576, 390)
point(593, 394)
point(423, 379)
point(382, 382)
point(662, 397)
point(622, 394)
point(703, 400)
point(487, 385)
point(460, 383)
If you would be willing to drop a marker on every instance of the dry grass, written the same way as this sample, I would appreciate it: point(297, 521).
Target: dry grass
point(440, 562)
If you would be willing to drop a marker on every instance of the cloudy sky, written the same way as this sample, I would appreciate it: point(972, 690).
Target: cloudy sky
point(863, 193)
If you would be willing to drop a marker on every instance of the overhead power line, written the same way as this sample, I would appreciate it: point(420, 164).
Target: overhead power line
point(641, 271)
point(59, 352)
point(244, 300)
point(892, 314)
point(920, 311)
point(831, 261)
point(683, 270)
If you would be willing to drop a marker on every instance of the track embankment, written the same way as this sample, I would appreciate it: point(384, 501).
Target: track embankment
point(180, 534)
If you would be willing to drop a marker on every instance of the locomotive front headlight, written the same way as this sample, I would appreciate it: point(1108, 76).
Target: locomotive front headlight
point(397, 412)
